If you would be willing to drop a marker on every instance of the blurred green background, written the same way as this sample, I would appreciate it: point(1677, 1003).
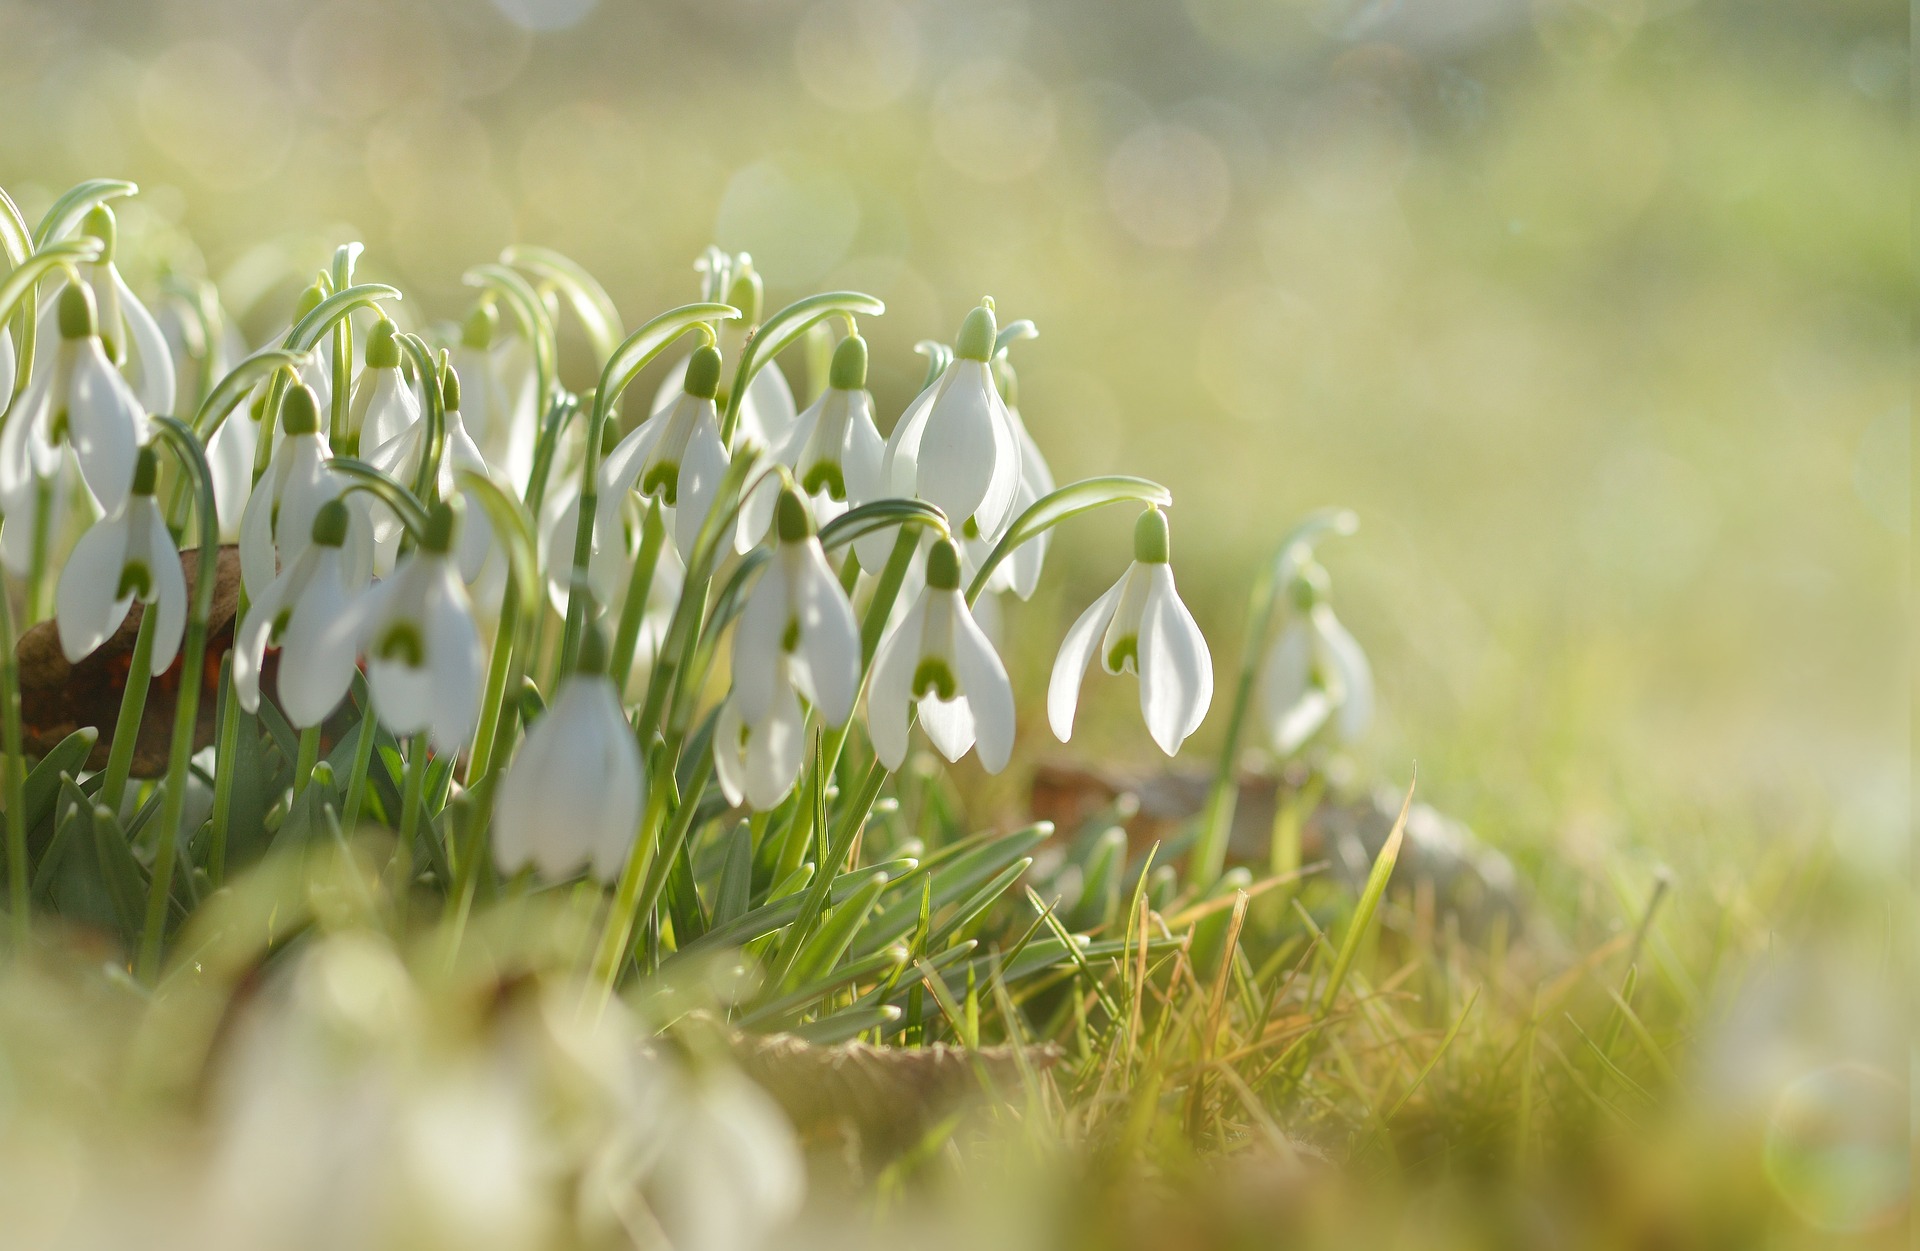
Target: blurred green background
point(1594, 309)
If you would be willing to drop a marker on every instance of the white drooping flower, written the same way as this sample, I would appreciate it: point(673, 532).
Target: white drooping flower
point(759, 761)
point(767, 412)
point(383, 404)
point(1140, 626)
point(277, 524)
point(417, 632)
point(500, 408)
point(125, 556)
point(956, 446)
point(129, 335)
point(1314, 673)
point(798, 618)
point(572, 796)
point(675, 456)
point(835, 451)
point(1020, 572)
point(400, 457)
point(296, 612)
point(80, 401)
point(938, 660)
point(203, 345)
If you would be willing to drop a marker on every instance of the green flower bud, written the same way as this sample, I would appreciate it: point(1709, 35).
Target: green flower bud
point(383, 347)
point(77, 320)
point(99, 224)
point(440, 526)
point(748, 293)
point(849, 372)
point(146, 470)
point(703, 373)
point(299, 410)
point(1309, 586)
point(1152, 541)
point(943, 566)
point(595, 654)
point(794, 521)
point(450, 389)
point(977, 334)
point(311, 298)
point(481, 324)
point(330, 523)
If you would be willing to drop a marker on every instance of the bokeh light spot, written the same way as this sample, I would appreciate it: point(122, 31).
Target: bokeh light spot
point(993, 120)
point(207, 107)
point(545, 15)
point(1168, 185)
point(857, 54)
point(797, 224)
point(1837, 1148)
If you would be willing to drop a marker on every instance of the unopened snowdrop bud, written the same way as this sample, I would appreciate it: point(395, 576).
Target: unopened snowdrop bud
point(939, 660)
point(675, 456)
point(1140, 626)
point(573, 795)
point(296, 613)
point(797, 618)
point(478, 330)
point(1315, 673)
point(956, 445)
point(125, 556)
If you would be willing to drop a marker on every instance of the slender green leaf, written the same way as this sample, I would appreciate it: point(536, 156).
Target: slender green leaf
point(75, 204)
point(1370, 897)
point(1069, 501)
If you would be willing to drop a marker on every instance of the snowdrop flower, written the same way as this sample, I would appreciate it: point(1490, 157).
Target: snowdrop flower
point(797, 615)
point(423, 651)
point(1019, 572)
point(938, 659)
point(675, 456)
point(280, 513)
point(80, 401)
point(1141, 627)
point(955, 446)
point(126, 556)
point(383, 404)
point(573, 794)
point(129, 336)
point(759, 761)
point(835, 451)
point(499, 406)
point(766, 414)
point(400, 457)
point(296, 612)
point(1314, 673)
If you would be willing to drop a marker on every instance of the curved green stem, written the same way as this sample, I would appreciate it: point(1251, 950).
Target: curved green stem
point(1057, 506)
point(133, 703)
point(633, 610)
point(187, 702)
point(780, 330)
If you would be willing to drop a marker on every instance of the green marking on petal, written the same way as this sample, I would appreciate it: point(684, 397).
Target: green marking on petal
point(791, 639)
point(934, 675)
point(402, 642)
point(662, 480)
point(1124, 656)
point(279, 625)
point(824, 475)
point(135, 580)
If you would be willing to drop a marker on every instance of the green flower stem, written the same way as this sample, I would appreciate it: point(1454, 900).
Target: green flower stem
point(187, 703)
point(615, 935)
point(355, 798)
point(307, 754)
point(412, 804)
point(1209, 855)
point(12, 739)
point(885, 591)
point(426, 482)
point(133, 703)
point(223, 778)
point(633, 611)
point(492, 702)
point(39, 564)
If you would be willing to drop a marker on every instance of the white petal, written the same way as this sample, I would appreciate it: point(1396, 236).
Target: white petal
point(775, 751)
point(258, 564)
point(891, 689)
point(829, 650)
point(250, 644)
point(25, 455)
point(996, 510)
point(700, 473)
point(960, 452)
point(391, 408)
point(457, 663)
point(1355, 675)
point(230, 460)
point(622, 786)
point(766, 411)
point(7, 364)
point(902, 462)
point(1076, 652)
point(321, 642)
point(169, 587)
point(1285, 672)
point(107, 424)
point(1176, 669)
point(729, 753)
point(153, 364)
point(864, 459)
point(949, 725)
point(988, 692)
point(84, 604)
point(757, 642)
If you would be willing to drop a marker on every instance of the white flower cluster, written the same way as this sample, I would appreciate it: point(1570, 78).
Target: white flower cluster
point(365, 495)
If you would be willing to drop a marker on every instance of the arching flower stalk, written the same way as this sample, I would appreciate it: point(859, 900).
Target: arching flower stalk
point(127, 555)
point(938, 661)
point(1140, 626)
